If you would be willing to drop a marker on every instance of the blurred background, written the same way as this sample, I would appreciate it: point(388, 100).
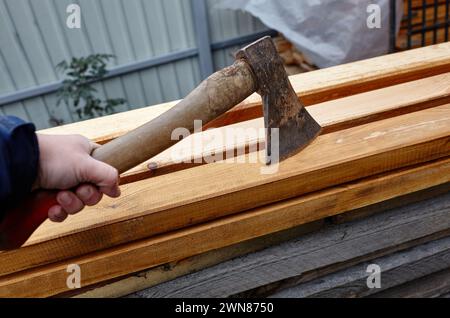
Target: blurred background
point(162, 49)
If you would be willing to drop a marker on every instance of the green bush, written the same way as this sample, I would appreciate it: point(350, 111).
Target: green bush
point(77, 87)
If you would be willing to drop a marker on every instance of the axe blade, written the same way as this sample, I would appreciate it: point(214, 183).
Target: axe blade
point(284, 114)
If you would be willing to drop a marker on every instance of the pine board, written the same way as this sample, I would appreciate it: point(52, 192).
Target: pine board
point(333, 115)
point(317, 254)
point(132, 257)
point(160, 274)
point(162, 204)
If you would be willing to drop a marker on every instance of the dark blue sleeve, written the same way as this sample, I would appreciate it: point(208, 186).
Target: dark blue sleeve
point(19, 160)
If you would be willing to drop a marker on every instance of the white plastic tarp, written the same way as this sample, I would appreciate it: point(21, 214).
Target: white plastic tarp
point(328, 32)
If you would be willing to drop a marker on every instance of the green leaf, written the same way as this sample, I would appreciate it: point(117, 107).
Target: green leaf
point(77, 86)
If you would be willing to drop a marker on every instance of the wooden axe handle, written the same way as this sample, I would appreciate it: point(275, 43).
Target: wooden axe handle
point(213, 97)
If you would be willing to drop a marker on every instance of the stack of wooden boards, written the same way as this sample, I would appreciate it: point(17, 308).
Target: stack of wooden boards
point(295, 62)
point(386, 134)
point(409, 244)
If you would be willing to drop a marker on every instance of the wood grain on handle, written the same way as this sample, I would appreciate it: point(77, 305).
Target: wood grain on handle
point(213, 97)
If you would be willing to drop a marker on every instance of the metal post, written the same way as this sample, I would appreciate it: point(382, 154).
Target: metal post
point(409, 24)
point(447, 20)
point(424, 22)
point(435, 20)
point(201, 27)
point(393, 26)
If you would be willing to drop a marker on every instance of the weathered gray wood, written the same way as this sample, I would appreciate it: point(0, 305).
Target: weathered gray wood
point(317, 254)
point(160, 274)
point(431, 286)
point(396, 269)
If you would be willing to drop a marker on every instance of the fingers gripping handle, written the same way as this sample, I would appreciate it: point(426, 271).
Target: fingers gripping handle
point(20, 222)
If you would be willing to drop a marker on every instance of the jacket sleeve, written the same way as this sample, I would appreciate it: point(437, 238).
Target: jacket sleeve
point(19, 160)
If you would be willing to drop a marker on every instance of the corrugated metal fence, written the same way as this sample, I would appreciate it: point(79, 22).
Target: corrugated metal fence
point(155, 43)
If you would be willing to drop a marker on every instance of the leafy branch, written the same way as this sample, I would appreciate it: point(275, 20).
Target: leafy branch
point(77, 87)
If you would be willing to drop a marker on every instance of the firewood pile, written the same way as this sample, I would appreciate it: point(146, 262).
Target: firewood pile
point(294, 60)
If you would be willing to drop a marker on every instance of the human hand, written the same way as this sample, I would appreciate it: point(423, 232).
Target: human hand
point(66, 164)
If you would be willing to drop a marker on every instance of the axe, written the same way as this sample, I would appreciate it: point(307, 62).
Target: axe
point(258, 68)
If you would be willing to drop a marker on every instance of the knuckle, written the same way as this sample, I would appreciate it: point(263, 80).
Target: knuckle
point(111, 176)
point(82, 141)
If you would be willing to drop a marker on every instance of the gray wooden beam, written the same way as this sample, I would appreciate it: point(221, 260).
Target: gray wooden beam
point(396, 269)
point(332, 249)
point(431, 286)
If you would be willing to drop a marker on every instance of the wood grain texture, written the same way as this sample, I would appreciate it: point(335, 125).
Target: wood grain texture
point(392, 203)
point(131, 216)
point(192, 196)
point(160, 274)
point(313, 87)
point(431, 286)
point(353, 78)
point(334, 115)
point(137, 256)
point(214, 96)
point(315, 255)
point(163, 273)
point(396, 269)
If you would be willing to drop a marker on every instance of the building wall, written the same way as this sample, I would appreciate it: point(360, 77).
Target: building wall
point(34, 38)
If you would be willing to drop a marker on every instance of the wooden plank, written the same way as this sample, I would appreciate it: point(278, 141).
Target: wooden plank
point(334, 115)
point(313, 87)
point(353, 78)
point(106, 128)
point(396, 269)
point(431, 286)
point(163, 273)
point(317, 254)
point(359, 152)
point(391, 204)
point(136, 256)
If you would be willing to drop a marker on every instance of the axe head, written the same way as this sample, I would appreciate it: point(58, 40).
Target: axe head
point(289, 126)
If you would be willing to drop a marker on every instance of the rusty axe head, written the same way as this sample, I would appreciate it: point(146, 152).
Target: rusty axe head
point(284, 115)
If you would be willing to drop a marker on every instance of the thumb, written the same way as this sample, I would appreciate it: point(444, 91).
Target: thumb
point(104, 176)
